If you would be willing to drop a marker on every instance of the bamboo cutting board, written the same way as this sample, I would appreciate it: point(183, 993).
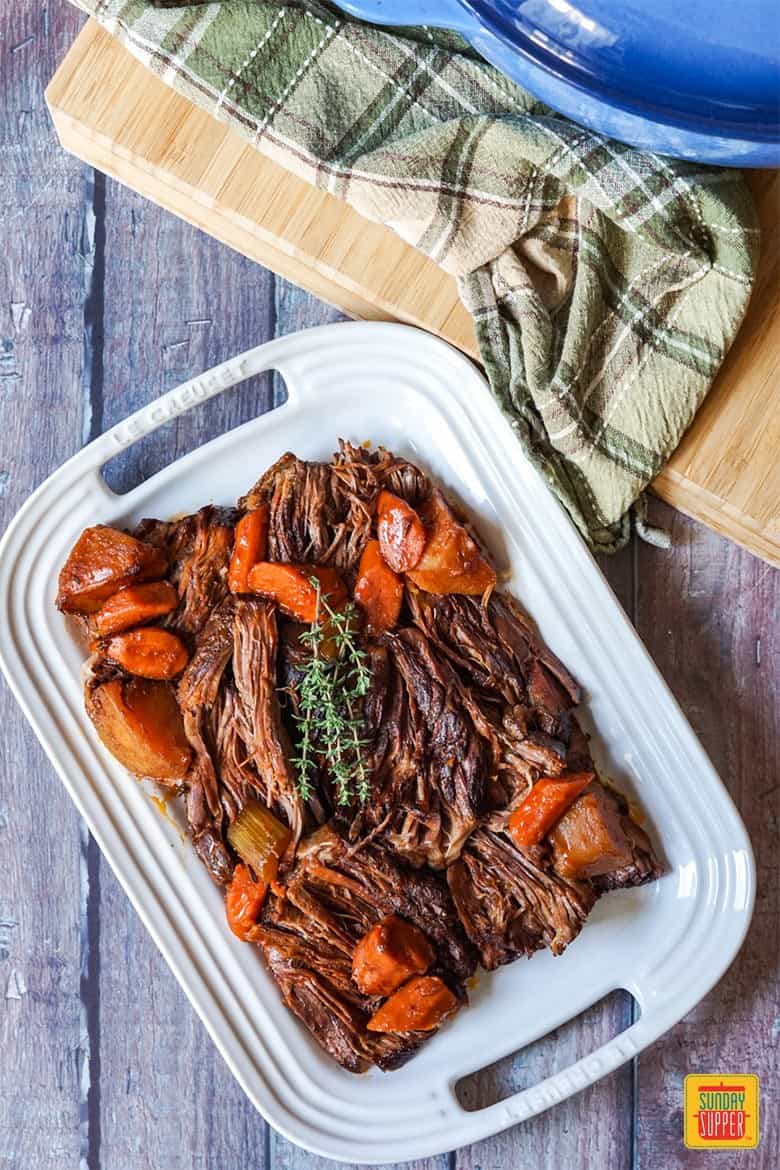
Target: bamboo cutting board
point(112, 112)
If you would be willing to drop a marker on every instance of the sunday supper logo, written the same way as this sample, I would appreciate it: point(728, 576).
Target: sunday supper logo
point(721, 1111)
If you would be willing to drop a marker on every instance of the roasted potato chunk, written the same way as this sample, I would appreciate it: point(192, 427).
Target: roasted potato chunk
point(589, 840)
point(451, 562)
point(390, 953)
point(102, 561)
point(140, 723)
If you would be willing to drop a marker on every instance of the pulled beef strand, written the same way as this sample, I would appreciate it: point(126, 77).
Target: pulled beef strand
point(495, 647)
point(323, 512)
point(313, 517)
point(510, 904)
point(232, 719)
point(198, 548)
point(523, 690)
point(198, 693)
point(432, 752)
point(268, 747)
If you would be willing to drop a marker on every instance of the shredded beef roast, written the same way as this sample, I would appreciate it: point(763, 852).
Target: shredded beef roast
point(510, 904)
point(467, 709)
point(363, 474)
point(432, 752)
point(523, 690)
point(197, 693)
point(228, 695)
point(496, 649)
point(267, 743)
point(333, 896)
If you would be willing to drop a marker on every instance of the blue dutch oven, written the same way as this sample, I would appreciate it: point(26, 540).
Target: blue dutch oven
point(697, 79)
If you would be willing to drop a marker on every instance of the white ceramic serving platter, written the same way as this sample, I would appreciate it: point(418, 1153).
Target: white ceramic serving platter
point(667, 943)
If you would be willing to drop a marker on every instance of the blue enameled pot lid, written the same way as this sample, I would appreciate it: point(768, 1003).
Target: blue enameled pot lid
point(699, 79)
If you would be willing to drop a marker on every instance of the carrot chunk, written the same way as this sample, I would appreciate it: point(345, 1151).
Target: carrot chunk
point(388, 954)
point(401, 532)
point(134, 605)
point(419, 1006)
point(243, 901)
point(290, 586)
point(544, 806)
point(451, 562)
point(249, 547)
point(378, 590)
point(149, 652)
point(141, 725)
point(102, 561)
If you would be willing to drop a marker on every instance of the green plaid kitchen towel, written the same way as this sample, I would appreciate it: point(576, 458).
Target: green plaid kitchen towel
point(605, 284)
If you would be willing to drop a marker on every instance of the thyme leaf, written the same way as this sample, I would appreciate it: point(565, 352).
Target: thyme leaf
point(330, 719)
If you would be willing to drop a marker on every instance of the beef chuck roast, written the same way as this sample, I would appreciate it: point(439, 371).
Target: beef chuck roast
point(467, 709)
point(431, 751)
point(511, 904)
point(229, 698)
point(522, 689)
point(198, 694)
point(308, 935)
point(304, 513)
point(268, 747)
point(496, 648)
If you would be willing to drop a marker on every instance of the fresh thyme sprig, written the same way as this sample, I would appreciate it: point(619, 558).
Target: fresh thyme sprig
point(330, 715)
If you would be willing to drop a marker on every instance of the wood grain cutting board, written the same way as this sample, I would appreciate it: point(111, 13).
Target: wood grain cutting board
point(112, 112)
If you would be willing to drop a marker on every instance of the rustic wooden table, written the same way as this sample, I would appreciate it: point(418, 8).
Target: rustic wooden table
point(104, 302)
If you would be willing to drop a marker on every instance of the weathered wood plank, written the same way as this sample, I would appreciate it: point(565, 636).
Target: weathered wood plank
point(708, 612)
point(175, 303)
point(286, 1156)
point(45, 258)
